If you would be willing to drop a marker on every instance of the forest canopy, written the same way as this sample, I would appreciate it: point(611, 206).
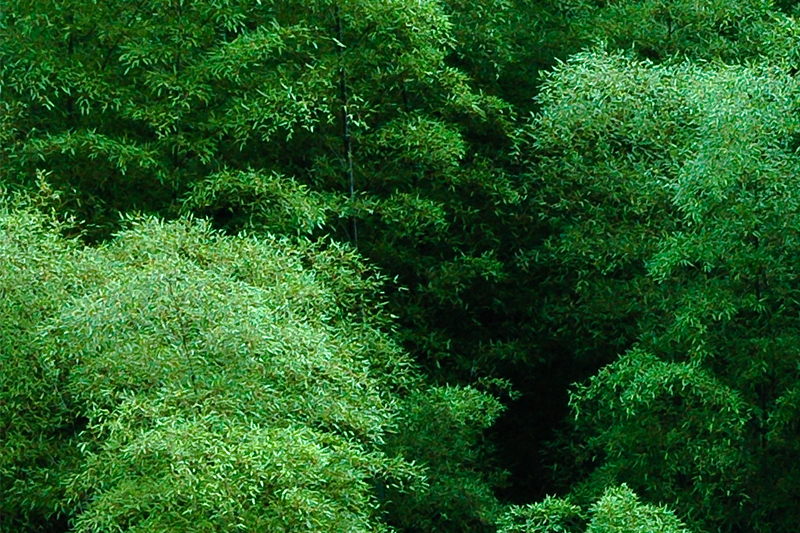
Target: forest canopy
point(407, 266)
point(176, 379)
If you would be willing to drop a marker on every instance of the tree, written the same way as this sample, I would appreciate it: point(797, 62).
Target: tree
point(618, 510)
point(175, 379)
point(36, 448)
point(340, 117)
point(167, 94)
point(671, 196)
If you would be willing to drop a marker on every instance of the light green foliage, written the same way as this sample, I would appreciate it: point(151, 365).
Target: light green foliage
point(618, 510)
point(178, 380)
point(38, 273)
point(551, 515)
point(671, 194)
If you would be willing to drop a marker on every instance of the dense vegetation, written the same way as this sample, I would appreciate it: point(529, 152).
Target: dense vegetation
point(408, 265)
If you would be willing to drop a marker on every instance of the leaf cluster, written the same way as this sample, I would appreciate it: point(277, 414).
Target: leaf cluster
point(175, 379)
point(671, 196)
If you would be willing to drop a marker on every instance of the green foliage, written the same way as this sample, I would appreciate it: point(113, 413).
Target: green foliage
point(176, 374)
point(483, 35)
point(443, 427)
point(671, 194)
point(618, 510)
point(38, 273)
point(551, 515)
point(671, 428)
point(237, 110)
point(255, 200)
point(659, 29)
point(134, 109)
point(175, 379)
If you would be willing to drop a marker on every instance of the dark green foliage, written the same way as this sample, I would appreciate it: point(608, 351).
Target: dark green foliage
point(257, 200)
point(441, 426)
point(731, 30)
point(673, 430)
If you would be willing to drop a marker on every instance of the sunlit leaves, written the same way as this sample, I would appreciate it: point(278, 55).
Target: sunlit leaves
point(671, 193)
point(554, 515)
point(178, 380)
point(618, 510)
